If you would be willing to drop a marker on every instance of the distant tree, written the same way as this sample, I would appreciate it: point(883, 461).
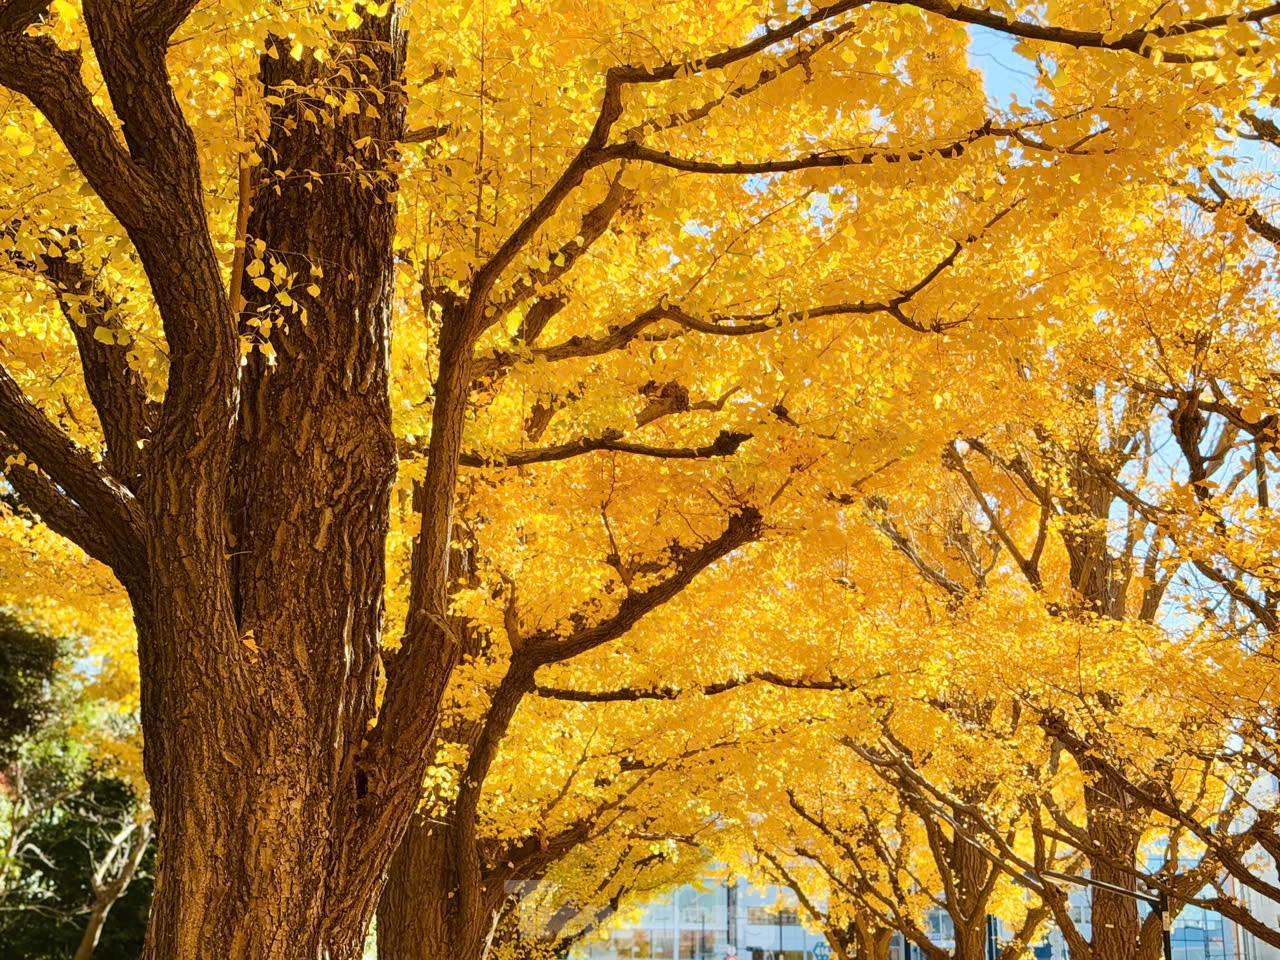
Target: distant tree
point(73, 837)
point(83, 859)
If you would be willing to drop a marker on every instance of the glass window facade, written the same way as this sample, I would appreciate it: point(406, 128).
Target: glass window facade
point(714, 921)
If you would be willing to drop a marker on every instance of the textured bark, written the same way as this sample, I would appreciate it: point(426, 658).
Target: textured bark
point(1115, 832)
point(973, 878)
point(418, 915)
point(252, 733)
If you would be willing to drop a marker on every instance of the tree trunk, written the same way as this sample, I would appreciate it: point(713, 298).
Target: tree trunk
point(971, 941)
point(258, 702)
point(860, 939)
point(972, 878)
point(1111, 827)
point(418, 915)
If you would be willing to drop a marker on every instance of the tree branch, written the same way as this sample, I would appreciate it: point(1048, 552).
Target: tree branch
point(1134, 41)
point(725, 444)
point(84, 485)
point(37, 493)
point(118, 392)
point(591, 228)
point(633, 694)
point(577, 635)
point(877, 512)
point(49, 77)
point(634, 150)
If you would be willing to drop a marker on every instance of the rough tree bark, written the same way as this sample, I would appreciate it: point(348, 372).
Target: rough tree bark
point(258, 674)
point(312, 466)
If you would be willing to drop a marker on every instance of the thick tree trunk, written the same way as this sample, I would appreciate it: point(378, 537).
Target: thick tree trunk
point(253, 731)
point(418, 915)
point(1111, 827)
point(860, 940)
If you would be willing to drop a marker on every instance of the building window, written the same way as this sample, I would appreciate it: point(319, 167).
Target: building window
point(940, 926)
point(650, 945)
point(770, 916)
point(697, 944)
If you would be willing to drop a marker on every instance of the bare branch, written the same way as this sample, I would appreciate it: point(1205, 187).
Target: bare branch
point(953, 459)
point(426, 134)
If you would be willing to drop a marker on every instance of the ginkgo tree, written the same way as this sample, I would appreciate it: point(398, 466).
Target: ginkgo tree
point(1086, 672)
point(1144, 566)
point(217, 217)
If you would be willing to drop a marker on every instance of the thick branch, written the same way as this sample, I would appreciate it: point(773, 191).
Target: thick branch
point(49, 77)
point(84, 484)
point(633, 694)
point(724, 445)
point(577, 635)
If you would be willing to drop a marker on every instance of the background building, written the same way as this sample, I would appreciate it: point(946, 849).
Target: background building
point(704, 922)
